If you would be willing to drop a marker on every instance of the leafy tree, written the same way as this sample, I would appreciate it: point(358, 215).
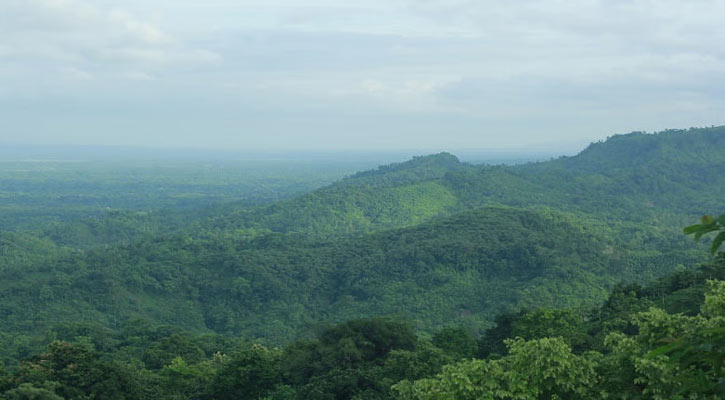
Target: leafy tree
point(566, 324)
point(709, 224)
point(366, 339)
point(672, 355)
point(26, 391)
point(185, 381)
point(169, 348)
point(423, 362)
point(347, 360)
point(492, 342)
point(456, 341)
point(556, 373)
point(248, 374)
point(4, 378)
point(79, 372)
point(699, 354)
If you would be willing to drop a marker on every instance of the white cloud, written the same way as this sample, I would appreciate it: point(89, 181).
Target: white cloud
point(76, 74)
point(410, 95)
point(372, 86)
point(137, 76)
point(143, 31)
point(547, 66)
point(77, 35)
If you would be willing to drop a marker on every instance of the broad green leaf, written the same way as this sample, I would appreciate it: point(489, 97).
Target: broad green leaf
point(704, 231)
point(664, 349)
point(717, 242)
point(692, 229)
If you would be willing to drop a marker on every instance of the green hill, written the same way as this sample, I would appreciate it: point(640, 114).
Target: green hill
point(465, 269)
point(641, 149)
point(660, 181)
point(432, 239)
point(672, 176)
point(391, 196)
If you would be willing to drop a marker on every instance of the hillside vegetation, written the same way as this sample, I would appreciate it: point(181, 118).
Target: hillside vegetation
point(434, 246)
point(661, 341)
point(668, 177)
point(474, 264)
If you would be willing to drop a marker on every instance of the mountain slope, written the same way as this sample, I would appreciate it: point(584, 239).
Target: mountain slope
point(673, 175)
point(638, 149)
point(410, 238)
point(465, 268)
point(392, 196)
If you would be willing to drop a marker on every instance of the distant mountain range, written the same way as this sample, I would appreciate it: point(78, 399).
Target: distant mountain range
point(633, 176)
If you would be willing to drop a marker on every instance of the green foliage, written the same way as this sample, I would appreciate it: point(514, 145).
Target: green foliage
point(26, 391)
point(699, 353)
point(345, 358)
point(666, 356)
point(417, 249)
point(709, 224)
point(182, 380)
point(565, 324)
point(76, 373)
point(107, 198)
point(169, 348)
point(687, 365)
point(139, 302)
point(477, 263)
point(457, 341)
point(426, 360)
point(249, 374)
point(4, 379)
point(365, 340)
point(543, 368)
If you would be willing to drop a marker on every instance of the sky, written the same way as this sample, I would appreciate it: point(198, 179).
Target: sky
point(365, 75)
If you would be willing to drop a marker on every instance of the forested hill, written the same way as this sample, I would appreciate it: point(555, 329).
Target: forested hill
point(677, 171)
point(396, 195)
point(674, 175)
point(694, 146)
point(420, 168)
point(465, 269)
point(433, 239)
point(660, 181)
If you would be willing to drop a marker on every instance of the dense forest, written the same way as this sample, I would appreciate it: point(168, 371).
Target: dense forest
point(425, 279)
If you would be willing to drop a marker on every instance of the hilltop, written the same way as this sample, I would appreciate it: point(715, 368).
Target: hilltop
point(634, 176)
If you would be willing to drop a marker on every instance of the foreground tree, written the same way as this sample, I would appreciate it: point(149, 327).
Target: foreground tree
point(542, 368)
point(709, 224)
point(74, 372)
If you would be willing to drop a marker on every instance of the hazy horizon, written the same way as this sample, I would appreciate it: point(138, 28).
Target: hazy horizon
point(294, 75)
point(369, 158)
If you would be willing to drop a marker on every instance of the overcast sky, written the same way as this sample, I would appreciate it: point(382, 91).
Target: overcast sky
point(375, 74)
